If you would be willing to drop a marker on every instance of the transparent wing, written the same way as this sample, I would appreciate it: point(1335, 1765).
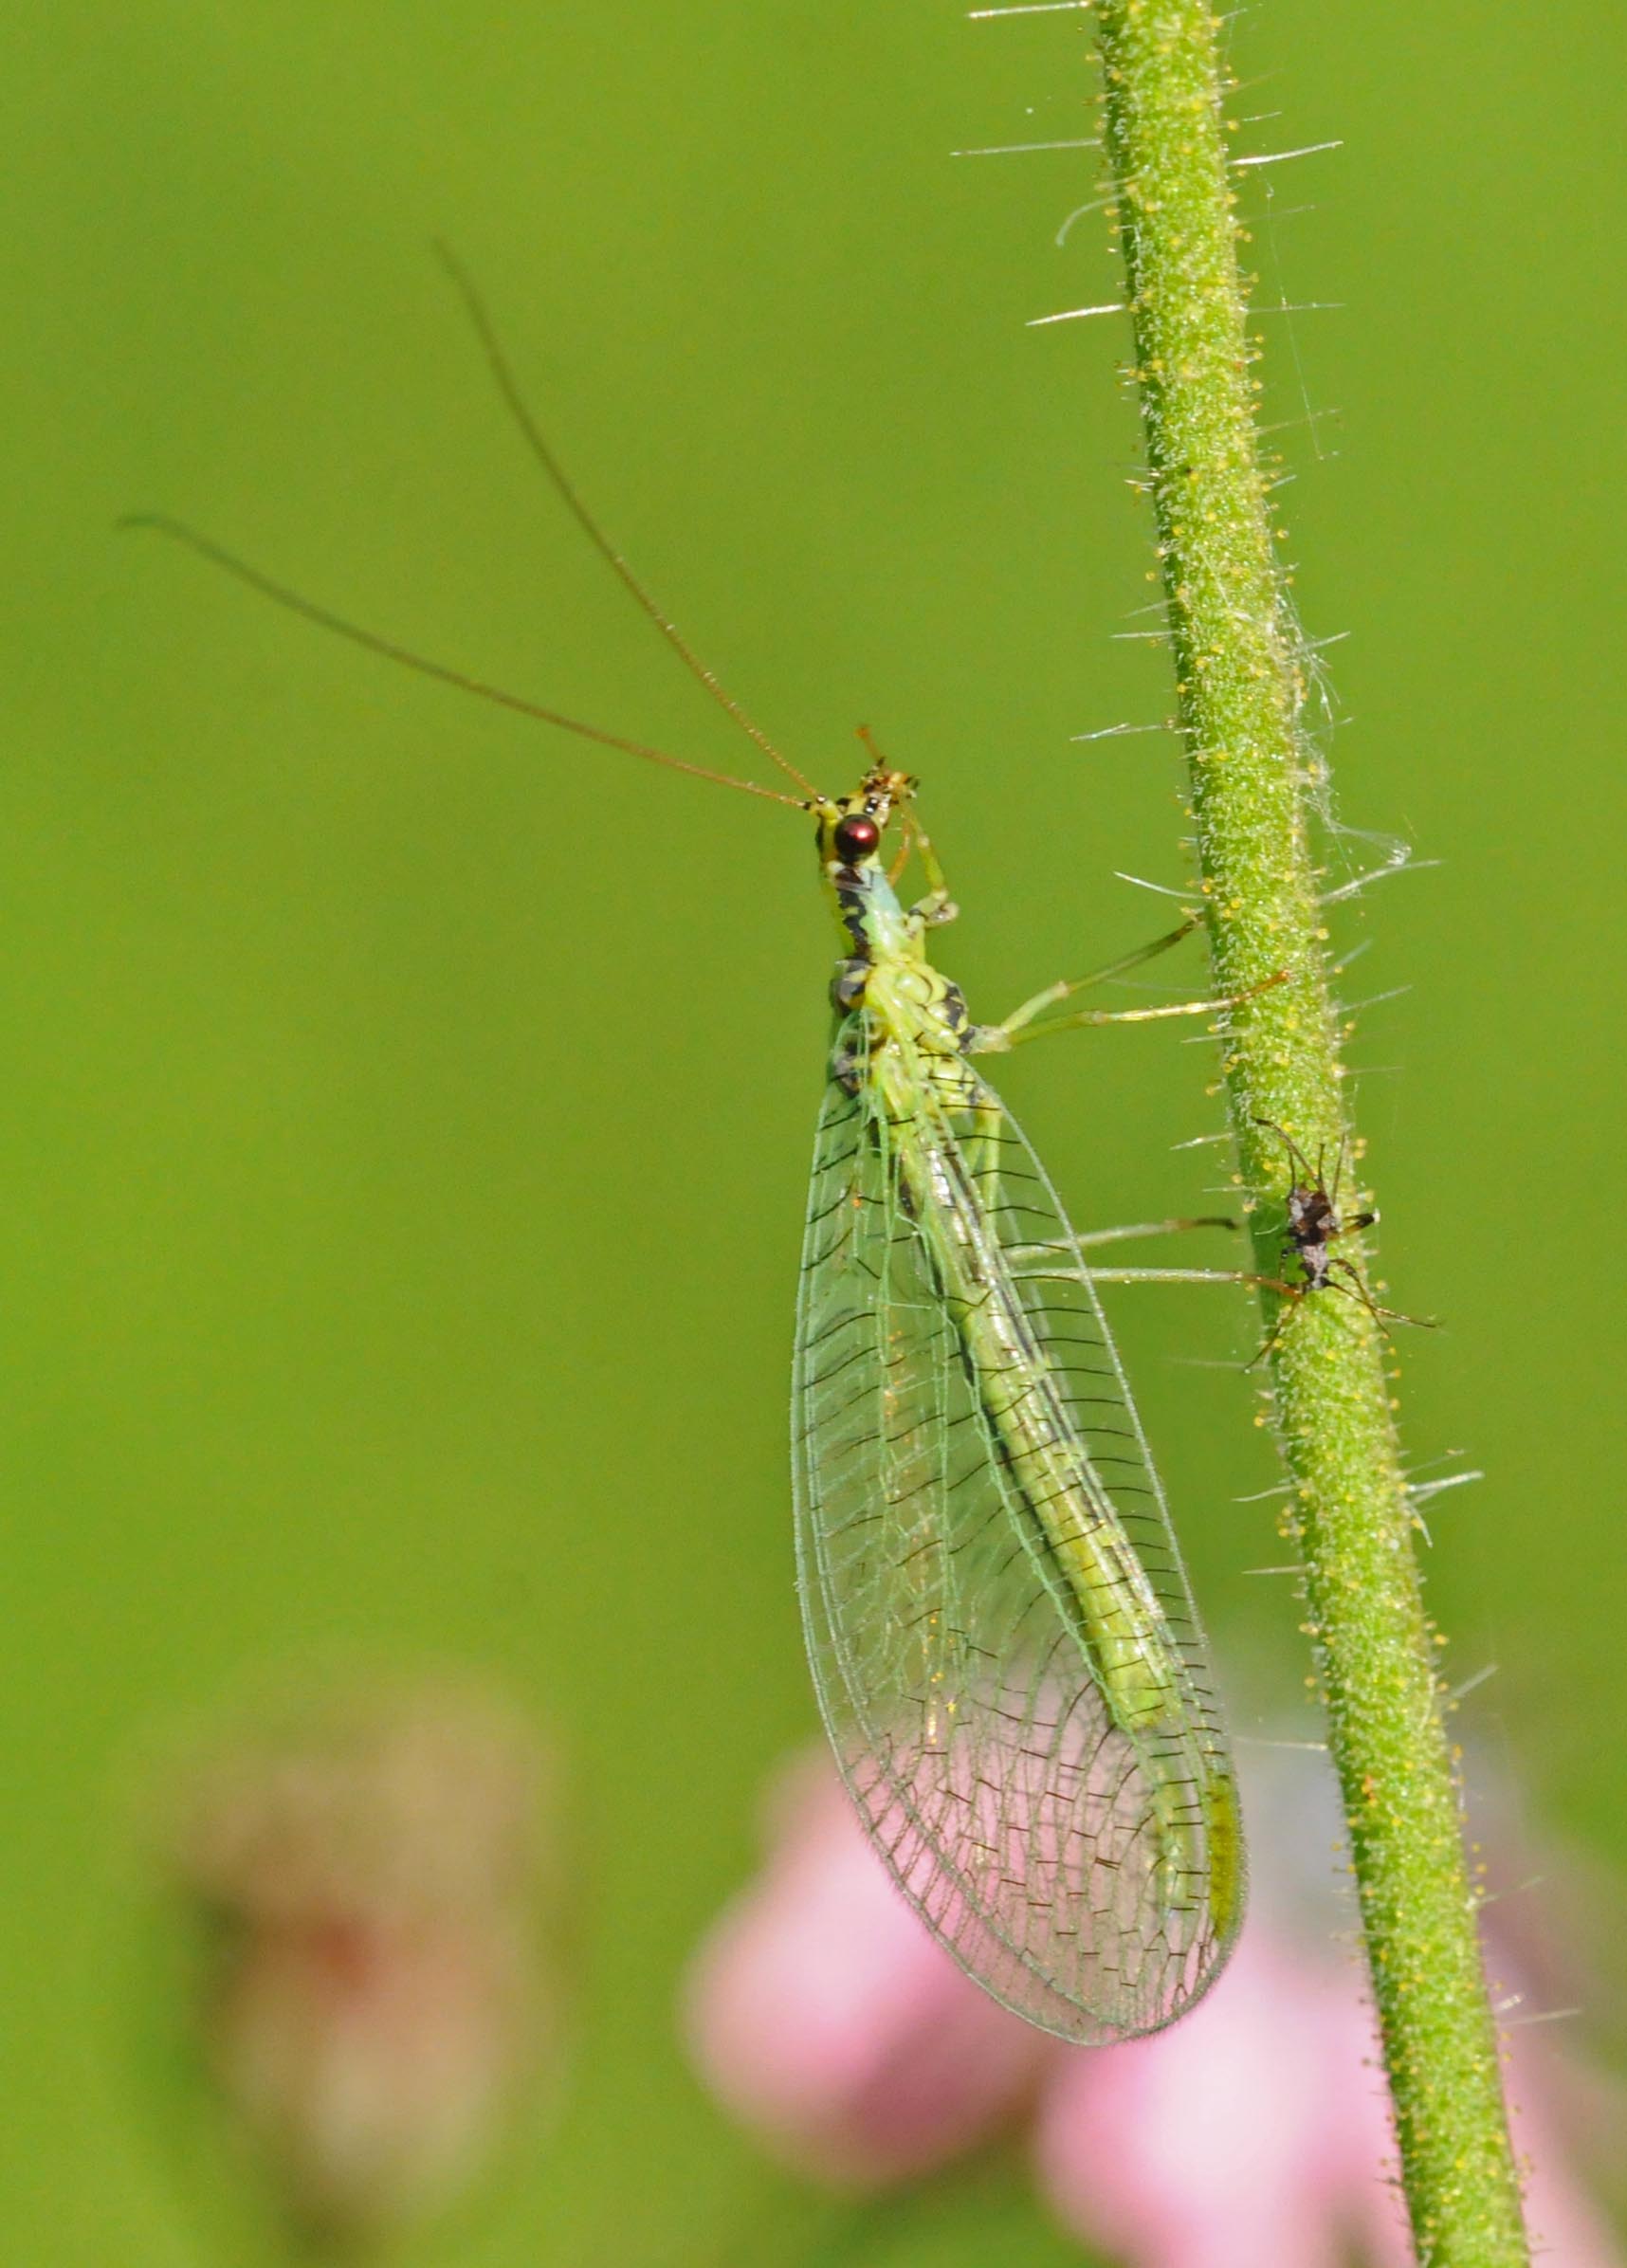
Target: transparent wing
point(1027, 1816)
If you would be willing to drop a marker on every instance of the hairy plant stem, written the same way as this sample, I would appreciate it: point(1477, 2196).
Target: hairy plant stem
point(1239, 667)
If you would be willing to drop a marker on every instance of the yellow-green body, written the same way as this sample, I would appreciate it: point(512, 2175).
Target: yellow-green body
point(1065, 1817)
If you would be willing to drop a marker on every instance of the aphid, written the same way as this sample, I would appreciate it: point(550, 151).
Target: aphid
point(1314, 1226)
point(1003, 1638)
point(1313, 1220)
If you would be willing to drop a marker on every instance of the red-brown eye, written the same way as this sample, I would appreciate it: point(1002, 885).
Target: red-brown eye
point(856, 838)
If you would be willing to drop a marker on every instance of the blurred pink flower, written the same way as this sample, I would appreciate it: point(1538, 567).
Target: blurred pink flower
point(1253, 2131)
point(1239, 2136)
point(367, 1871)
point(1259, 2130)
point(823, 2014)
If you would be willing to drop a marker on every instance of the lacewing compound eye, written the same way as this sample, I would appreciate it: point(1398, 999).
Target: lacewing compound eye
point(856, 837)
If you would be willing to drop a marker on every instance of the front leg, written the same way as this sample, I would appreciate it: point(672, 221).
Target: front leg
point(937, 907)
point(1054, 994)
point(997, 1039)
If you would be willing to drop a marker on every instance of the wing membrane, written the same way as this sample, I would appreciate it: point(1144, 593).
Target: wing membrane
point(1028, 1814)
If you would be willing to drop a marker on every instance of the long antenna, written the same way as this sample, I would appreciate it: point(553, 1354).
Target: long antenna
point(508, 387)
point(282, 596)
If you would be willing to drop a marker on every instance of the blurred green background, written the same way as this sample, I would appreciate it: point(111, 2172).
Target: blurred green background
point(408, 1112)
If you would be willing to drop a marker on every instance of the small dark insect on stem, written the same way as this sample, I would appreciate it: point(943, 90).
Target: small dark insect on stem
point(1314, 1226)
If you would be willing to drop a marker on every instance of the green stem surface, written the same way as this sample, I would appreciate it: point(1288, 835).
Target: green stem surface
point(1239, 667)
